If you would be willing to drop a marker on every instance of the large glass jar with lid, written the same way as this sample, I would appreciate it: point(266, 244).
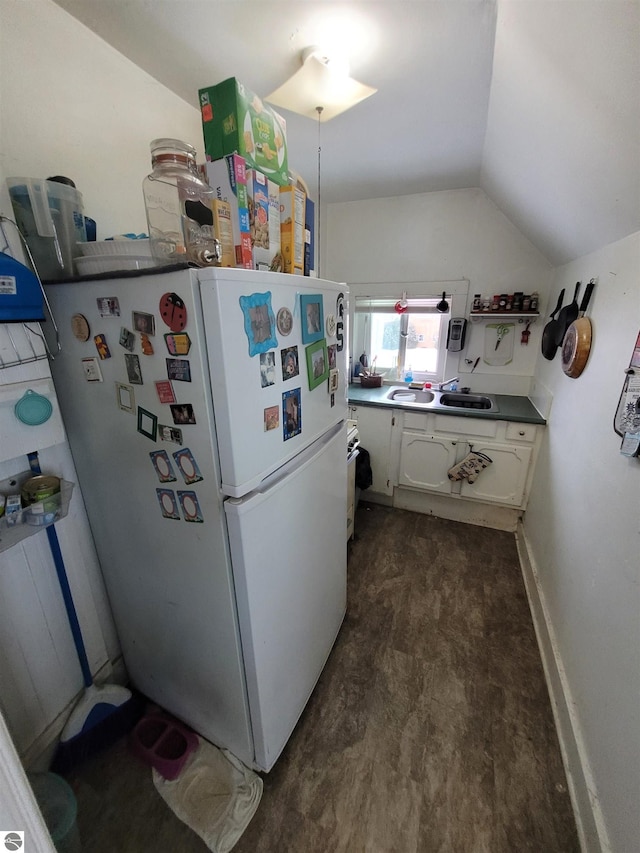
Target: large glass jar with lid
point(179, 206)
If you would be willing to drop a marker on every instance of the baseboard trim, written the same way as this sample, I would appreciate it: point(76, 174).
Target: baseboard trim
point(457, 509)
point(586, 807)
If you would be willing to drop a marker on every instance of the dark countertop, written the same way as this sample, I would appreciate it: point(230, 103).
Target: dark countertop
point(511, 408)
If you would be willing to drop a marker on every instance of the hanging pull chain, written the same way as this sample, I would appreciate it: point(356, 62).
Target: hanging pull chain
point(319, 111)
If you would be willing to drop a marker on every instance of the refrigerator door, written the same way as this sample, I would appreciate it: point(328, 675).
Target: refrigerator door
point(249, 388)
point(288, 550)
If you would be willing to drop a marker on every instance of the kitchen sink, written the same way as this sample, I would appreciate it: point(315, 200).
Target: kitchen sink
point(410, 395)
point(434, 400)
point(467, 401)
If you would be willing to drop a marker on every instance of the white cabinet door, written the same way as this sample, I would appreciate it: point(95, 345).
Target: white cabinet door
point(503, 481)
point(425, 460)
point(374, 426)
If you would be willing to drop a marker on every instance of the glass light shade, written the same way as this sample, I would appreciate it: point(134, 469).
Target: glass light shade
point(316, 85)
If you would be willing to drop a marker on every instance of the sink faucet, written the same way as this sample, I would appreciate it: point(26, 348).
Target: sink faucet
point(440, 386)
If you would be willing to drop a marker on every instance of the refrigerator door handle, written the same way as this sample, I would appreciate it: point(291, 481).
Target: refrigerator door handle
point(294, 464)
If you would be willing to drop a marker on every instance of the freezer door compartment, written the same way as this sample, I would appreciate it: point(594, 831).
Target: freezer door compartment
point(289, 557)
point(240, 391)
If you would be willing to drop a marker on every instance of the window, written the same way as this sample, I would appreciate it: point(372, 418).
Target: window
point(397, 342)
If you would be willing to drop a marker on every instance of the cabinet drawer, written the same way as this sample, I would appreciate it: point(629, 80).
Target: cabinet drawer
point(466, 426)
point(521, 432)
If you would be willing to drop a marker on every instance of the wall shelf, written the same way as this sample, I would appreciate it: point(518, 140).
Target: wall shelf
point(520, 316)
point(26, 521)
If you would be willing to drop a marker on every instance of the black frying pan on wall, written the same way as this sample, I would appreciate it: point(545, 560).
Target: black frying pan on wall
point(549, 345)
point(566, 317)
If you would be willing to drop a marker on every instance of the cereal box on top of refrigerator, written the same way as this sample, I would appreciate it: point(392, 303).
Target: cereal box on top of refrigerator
point(235, 119)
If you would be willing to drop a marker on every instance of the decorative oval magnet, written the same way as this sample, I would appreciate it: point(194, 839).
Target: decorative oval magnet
point(284, 321)
point(330, 325)
point(80, 327)
point(173, 312)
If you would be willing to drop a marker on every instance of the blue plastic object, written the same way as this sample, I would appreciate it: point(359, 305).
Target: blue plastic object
point(33, 409)
point(21, 299)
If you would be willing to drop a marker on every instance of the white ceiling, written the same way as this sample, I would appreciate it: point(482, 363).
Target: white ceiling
point(535, 101)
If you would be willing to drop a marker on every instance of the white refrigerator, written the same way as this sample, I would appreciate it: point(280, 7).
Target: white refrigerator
point(206, 414)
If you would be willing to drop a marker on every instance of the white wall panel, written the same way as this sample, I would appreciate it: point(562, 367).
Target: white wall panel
point(96, 114)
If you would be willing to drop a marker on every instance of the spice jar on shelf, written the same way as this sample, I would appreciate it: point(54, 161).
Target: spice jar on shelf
point(179, 206)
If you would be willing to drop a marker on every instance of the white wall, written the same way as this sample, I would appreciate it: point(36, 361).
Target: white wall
point(440, 236)
point(70, 105)
point(582, 526)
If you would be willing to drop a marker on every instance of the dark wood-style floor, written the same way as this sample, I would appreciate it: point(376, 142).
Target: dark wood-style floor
point(430, 730)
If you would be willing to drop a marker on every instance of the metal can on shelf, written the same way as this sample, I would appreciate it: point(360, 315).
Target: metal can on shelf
point(39, 488)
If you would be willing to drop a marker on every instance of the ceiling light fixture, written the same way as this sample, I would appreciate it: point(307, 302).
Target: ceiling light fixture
point(322, 81)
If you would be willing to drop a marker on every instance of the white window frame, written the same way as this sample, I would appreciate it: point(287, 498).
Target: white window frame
point(422, 298)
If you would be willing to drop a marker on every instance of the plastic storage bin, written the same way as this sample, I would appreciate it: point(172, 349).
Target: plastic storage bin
point(51, 219)
point(59, 809)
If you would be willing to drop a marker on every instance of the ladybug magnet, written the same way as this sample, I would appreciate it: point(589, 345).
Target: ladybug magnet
point(173, 312)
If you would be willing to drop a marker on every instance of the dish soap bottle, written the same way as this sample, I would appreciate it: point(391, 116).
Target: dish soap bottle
point(179, 206)
point(408, 374)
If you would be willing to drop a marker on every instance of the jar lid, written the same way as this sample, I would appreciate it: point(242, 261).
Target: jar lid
point(172, 147)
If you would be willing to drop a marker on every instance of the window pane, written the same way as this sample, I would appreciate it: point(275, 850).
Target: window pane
point(385, 340)
point(422, 342)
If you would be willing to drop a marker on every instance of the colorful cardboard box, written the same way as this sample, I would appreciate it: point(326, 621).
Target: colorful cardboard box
point(309, 236)
point(228, 177)
point(292, 213)
point(264, 220)
point(235, 119)
point(223, 229)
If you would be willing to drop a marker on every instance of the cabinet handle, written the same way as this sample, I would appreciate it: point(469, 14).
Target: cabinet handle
point(522, 432)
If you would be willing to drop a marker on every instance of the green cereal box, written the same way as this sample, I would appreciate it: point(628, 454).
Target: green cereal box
point(234, 119)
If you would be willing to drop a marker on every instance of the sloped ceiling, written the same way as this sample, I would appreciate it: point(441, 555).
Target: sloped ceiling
point(535, 101)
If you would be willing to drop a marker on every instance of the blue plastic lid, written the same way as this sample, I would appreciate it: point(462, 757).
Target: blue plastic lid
point(33, 409)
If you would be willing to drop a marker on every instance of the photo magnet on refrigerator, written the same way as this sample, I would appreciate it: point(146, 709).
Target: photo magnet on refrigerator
point(127, 339)
point(101, 345)
point(126, 398)
point(147, 423)
point(91, 367)
point(267, 369)
point(271, 418)
point(143, 322)
point(291, 413)
point(259, 322)
point(108, 306)
point(183, 413)
point(331, 353)
point(190, 506)
point(162, 464)
point(134, 374)
point(290, 366)
point(187, 465)
point(169, 433)
point(168, 503)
